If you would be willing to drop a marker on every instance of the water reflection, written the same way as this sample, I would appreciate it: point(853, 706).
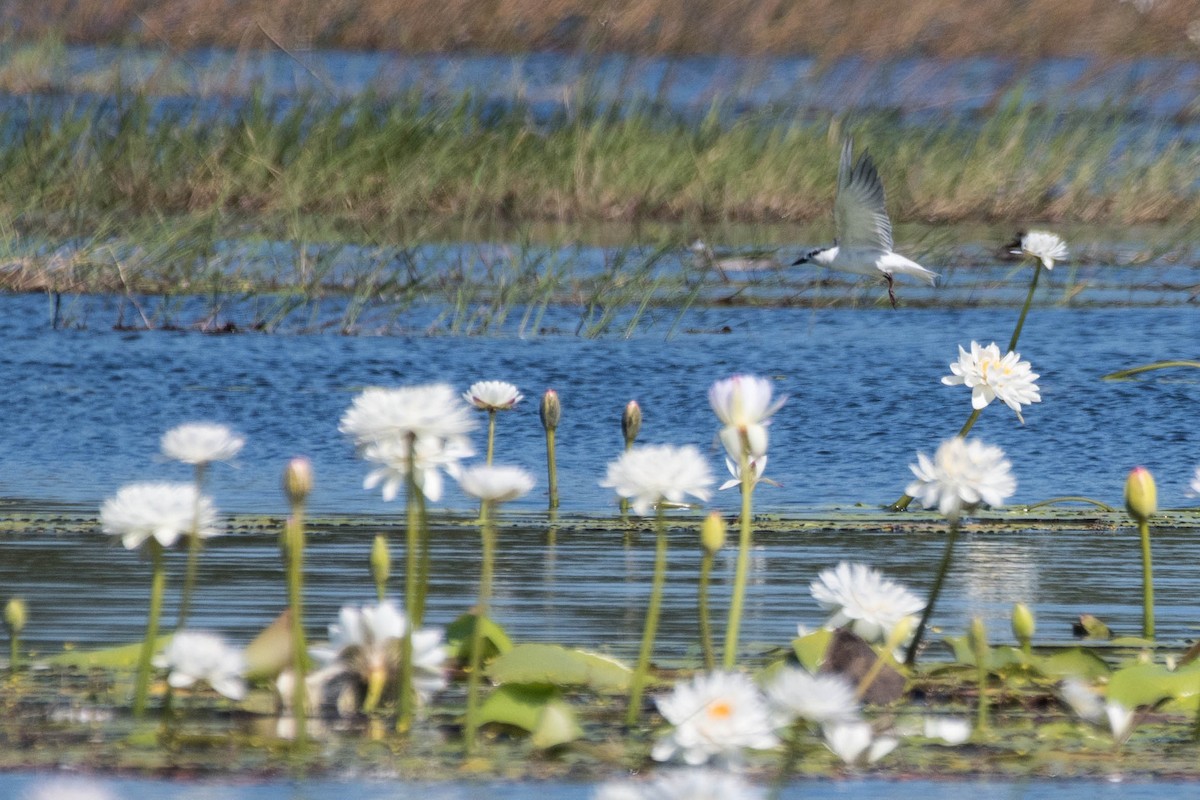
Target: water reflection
point(590, 588)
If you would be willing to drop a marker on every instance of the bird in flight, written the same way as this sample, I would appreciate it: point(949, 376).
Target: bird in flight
point(864, 233)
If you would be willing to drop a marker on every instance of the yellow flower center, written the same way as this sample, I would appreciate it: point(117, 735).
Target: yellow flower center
point(720, 709)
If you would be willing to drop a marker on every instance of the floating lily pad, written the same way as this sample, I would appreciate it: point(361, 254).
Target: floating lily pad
point(537, 709)
point(559, 666)
point(124, 657)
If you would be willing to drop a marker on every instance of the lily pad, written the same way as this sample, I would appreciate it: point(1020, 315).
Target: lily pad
point(124, 657)
point(537, 709)
point(459, 633)
point(810, 649)
point(559, 666)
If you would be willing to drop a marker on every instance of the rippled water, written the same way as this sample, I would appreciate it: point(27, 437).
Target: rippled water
point(85, 409)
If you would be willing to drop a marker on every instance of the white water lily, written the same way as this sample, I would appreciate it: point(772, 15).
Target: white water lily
point(426, 412)
point(743, 404)
point(822, 699)
point(651, 474)
point(716, 715)
point(201, 443)
point(493, 395)
point(682, 784)
point(951, 730)
point(198, 657)
point(856, 743)
point(990, 376)
point(496, 484)
point(962, 476)
point(1121, 720)
point(1044, 246)
point(161, 510)
point(1195, 484)
point(433, 456)
point(1082, 699)
point(367, 641)
point(862, 598)
point(757, 467)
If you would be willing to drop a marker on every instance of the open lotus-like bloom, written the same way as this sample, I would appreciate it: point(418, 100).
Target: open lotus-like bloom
point(367, 641)
point(683, 784)
point(650, 474)
point(165, 511)
point(1046, 247)
point(496, 484)
point(433, 456)
point(862, 598)
point(962, 476)
point(198, 657)
point(856, 742)
point(201, 443)
point(426, 412)
point(989, 376)
point(493, 395)
point(743, 404)
point(715, 715)
point(824, 699)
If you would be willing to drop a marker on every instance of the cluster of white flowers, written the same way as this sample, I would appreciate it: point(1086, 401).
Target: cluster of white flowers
point(419, 428)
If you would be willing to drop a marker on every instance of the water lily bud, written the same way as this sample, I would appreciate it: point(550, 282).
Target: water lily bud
point(298, 480)
point(550, 411)
point(1141, 496)
point(1023, 624)
point(15, 614)
point(977, 636)
point(631, 422)
point(381, 560)
point(712, 533)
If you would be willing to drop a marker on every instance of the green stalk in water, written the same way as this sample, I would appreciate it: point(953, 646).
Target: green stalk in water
point(650, 629)
point(910, 657)
point(15, 615)
point(488, 535)
point(158, 586)
point(551, 414)
point(1016, 334)
point(742, 570)
point(381, 565)
point(405, 699)
point(712, 539)
point(631, 425)
point(297, 485)
point(979, 646)
point(193, 558)
point(1141, 501)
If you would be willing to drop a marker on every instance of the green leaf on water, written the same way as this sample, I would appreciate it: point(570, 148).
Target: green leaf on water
point(537, 709)
point(1147, 684)
point(559, 666)
point(124, 657)
point(270, 653)
point(1077, 662)
point(459, 633)
point(810, 648)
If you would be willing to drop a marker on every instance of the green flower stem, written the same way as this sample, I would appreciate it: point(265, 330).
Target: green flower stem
point(405, 700)
point(420, 520)
point(551, 469)
point(295, 586)
point(981, 673)
point(1123, 374)
point(625, 500)
point(14, 651)
point(1147, 582)
point(910, 657)
point(905, 499)
point(650, 630)
point(706, 645)
point(491, 434)
point(743, 561)
point(193, 559)
point(488, 534)
point(1012, 343)
point(158, 585)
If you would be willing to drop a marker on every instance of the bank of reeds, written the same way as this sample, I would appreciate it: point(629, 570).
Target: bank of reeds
point(826, 28)
point(374, 171)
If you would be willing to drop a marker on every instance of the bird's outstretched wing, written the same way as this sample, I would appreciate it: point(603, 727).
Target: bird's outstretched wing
point(860, 211)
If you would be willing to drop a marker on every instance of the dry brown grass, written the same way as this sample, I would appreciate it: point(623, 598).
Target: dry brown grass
point(825, 28)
